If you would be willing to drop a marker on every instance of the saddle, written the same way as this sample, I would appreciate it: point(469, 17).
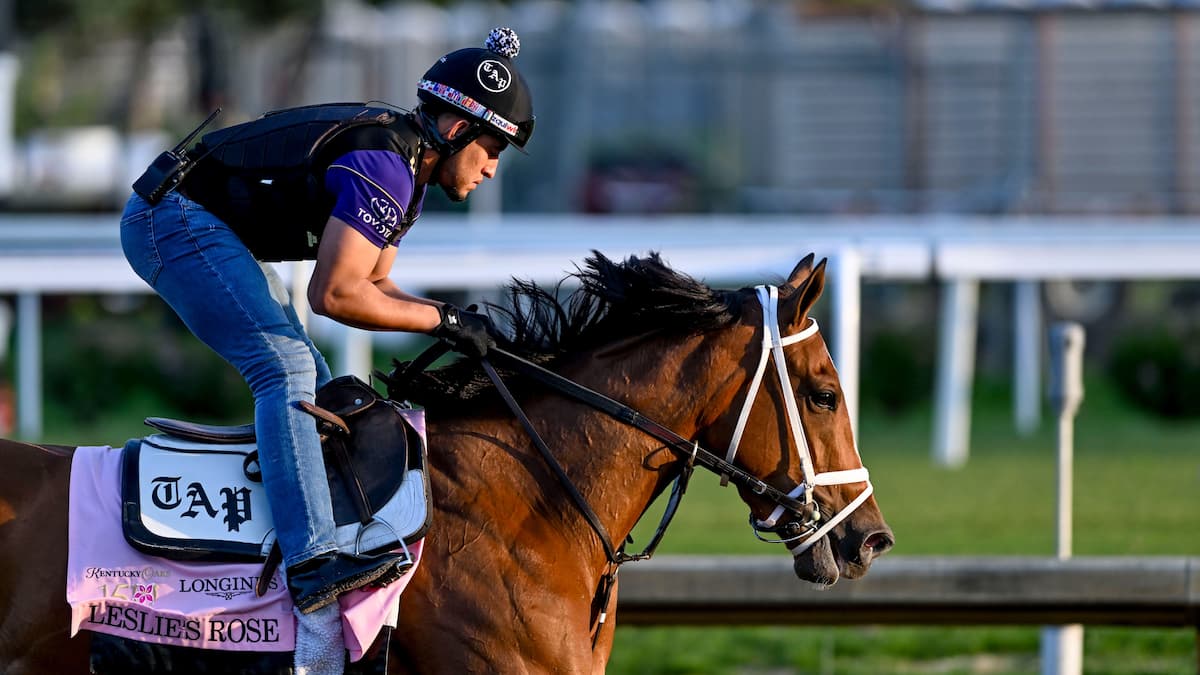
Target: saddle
point(194, 491)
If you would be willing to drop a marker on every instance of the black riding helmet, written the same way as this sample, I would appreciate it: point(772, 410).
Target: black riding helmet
point(485, 85)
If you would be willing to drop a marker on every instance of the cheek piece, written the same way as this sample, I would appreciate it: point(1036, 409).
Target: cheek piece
point(803, 532)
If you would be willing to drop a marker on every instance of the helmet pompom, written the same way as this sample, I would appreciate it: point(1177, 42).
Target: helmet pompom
point(503, 41)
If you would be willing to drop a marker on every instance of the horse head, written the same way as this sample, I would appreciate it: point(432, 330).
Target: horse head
point(738, 382)
point(789, 427)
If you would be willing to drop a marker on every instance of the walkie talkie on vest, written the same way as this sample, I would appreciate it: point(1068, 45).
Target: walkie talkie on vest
point(168, 169)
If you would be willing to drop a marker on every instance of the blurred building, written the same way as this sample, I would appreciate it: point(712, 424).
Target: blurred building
point(824, 106)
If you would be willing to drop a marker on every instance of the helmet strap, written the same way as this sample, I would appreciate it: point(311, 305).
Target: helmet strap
point(433, 139)
point(440, 144)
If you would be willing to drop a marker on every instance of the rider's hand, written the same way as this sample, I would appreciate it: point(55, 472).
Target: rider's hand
point(468, 333)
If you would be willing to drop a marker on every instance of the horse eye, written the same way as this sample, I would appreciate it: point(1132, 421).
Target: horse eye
point(825, 399)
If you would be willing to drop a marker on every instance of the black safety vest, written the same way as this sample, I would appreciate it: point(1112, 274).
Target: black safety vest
point(266, 177)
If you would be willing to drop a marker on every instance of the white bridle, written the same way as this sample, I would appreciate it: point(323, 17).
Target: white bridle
point(773, 343)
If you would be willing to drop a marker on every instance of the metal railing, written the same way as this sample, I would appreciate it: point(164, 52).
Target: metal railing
point(915, 590)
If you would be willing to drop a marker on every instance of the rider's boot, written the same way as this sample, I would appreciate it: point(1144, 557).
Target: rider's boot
point(319, 581)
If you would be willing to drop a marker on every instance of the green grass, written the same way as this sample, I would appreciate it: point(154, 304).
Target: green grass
point(880, 651)
point(1137, 492)
point(114, 427)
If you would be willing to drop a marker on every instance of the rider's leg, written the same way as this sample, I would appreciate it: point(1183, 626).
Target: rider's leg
point(280, 293)
point(200, 267)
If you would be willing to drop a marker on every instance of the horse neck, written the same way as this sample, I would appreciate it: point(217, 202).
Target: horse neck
point(619, 469)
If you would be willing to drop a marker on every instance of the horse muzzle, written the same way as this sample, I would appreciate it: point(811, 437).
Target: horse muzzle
point(817, 563)
point(847, 554)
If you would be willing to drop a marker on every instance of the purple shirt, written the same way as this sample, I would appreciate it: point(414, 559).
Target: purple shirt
point(373, 189)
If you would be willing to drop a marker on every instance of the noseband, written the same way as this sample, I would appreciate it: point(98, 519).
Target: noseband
point(805, 529)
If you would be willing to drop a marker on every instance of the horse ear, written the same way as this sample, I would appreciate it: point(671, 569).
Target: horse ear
point(800, 272)
point(808, 286)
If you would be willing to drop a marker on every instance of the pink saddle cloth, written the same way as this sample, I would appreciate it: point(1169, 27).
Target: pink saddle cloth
point(113, 588)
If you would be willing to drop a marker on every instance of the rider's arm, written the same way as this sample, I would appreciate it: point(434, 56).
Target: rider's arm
point(389, 287)
point(350, 284)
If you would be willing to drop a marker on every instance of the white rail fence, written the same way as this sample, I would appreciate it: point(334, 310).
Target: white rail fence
point(45, 254)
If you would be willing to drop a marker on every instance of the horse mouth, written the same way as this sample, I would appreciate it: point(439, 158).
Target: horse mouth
point(820, 565)
point(829, 559)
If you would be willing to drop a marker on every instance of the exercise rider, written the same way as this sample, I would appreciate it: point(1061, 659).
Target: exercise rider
point(341, 184)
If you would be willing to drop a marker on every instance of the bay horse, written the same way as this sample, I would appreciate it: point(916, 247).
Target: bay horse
point(512, 571)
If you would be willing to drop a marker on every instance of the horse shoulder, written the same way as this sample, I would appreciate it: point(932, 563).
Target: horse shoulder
point(499, 585)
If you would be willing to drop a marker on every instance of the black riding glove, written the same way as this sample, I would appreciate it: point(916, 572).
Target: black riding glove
point(468, 333)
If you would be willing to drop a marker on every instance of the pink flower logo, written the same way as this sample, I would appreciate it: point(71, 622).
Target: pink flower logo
point(144, 594)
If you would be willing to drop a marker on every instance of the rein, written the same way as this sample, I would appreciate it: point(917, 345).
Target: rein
point(616, 556)
point(688, 450)
point(588, 513)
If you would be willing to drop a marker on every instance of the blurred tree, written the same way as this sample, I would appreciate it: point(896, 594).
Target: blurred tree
point(76, 26)
point(119, 18)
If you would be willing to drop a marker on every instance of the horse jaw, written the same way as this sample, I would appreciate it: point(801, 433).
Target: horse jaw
point(818, 564)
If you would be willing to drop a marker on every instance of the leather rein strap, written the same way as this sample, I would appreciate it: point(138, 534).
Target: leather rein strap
point(681, 446)
point(580, 500)
point(616, 557)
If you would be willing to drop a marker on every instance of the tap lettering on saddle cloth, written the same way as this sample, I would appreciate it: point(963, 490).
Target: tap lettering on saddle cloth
point(235, 503)
point(192, 493)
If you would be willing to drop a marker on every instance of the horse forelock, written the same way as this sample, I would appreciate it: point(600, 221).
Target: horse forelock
point(601, 303)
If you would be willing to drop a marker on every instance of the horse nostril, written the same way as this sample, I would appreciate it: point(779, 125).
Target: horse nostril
point(877, 544)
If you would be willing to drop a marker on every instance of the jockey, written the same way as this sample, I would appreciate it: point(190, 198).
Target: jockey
point(198, 231)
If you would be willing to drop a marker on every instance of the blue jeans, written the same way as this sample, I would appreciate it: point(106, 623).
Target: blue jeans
point(240, 308)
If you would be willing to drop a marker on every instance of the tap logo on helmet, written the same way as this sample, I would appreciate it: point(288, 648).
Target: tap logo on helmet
point(493, 75)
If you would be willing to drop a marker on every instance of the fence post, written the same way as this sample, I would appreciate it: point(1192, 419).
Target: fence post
point(957, 328)
point(301, 272)
point(29, 365)
point(1027, 356)
point(847, 328)
point(7, 405)
point(1062, 646)
point(6, 324)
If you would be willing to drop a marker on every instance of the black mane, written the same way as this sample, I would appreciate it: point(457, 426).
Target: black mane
point(613, 301)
